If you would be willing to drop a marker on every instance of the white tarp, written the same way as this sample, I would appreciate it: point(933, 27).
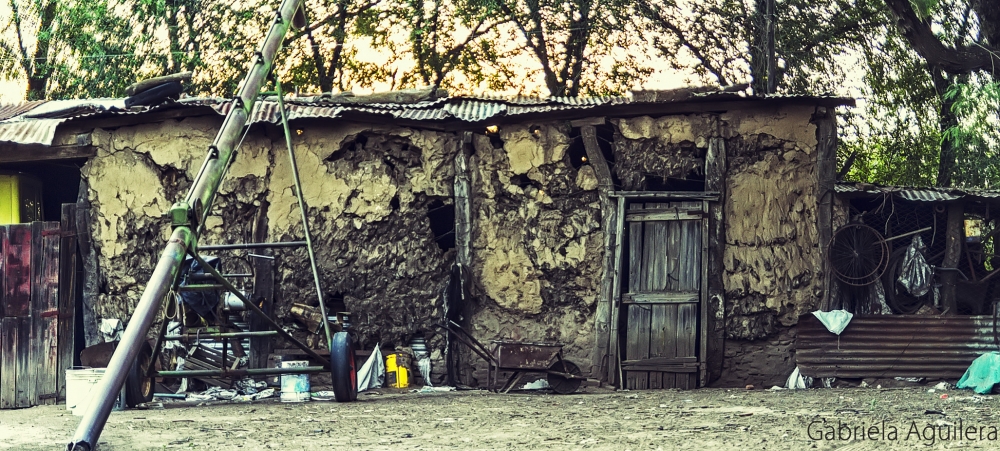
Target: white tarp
point(372, 373)
point(835, 320)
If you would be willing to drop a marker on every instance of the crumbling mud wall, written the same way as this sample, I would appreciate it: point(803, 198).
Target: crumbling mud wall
point(655, 153)
point(762, 363)
point(772, 255)
point(537, 247)
point(369, 191)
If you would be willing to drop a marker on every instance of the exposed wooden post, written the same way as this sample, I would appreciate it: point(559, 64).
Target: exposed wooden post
point(715, 305)
point(463, 203)
point(67, 296)
point(601, 364)
point(91, 268)
point(826, 170)
point(614, 375)
point(952, 252)
point(596, 158)
point(263, 292)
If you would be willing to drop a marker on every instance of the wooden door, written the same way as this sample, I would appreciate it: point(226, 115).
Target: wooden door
point(663, 294)
point(36, 314)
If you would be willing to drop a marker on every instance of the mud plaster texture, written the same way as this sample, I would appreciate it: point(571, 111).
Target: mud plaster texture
point(537, 247)
point(761, 363)
point(771, 256)
point(367, 189)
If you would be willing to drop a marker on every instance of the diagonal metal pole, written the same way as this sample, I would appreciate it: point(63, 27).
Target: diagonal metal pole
point(302, 209)
point(186, 217)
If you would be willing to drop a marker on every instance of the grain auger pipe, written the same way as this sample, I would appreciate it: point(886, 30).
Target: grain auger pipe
point(186, 218)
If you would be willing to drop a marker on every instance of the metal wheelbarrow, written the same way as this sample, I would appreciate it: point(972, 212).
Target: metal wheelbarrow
point(563, 376)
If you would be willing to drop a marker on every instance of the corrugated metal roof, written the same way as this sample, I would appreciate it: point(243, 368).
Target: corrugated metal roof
point(9, 111)
point(46, 117)
point(893, 346)
point(38, 131)
point(922, 194)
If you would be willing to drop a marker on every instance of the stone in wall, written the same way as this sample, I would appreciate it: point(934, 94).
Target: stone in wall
point(537, 244)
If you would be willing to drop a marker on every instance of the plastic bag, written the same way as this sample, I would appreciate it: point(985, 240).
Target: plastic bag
point(915, 274)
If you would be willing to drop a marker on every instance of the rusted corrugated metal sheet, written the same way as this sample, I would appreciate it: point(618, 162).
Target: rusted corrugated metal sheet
point(922, 194)
point(9, 111)
point(893, 346)
point(41, 129)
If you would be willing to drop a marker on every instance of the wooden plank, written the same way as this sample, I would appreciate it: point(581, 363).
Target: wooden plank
point(687, 326)
point(694, 195)
point(602, 317)
point(640, 323)
point(669, 353)
point(703, 304)
point(614, 370)
point(826, 168)
point(670, 215)
point(713, 306)
point(26, 367)
point(30, 376)
point(462, 187)
point(263, 293)
point(596, 157)
point(635, 254)
point(668, 372)
point(682, 361)
point(658, 331)
point(17, 271)
point(660, 297)
point(50, 153)
point(631, 343)
point(91, 278)
point(8, 362)
point(45, 314)
point(67, 297)
point(654, 255)
point(952, 252)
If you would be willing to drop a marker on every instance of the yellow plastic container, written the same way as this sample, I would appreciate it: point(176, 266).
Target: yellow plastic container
point(20, 198)
point(396, 376)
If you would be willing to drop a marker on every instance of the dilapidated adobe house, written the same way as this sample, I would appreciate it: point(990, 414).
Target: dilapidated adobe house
point(670, 239)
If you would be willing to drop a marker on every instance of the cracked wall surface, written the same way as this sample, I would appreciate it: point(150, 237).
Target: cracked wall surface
point(374, 193)
point(537, 247)
point(367, 188)
point(771, 255)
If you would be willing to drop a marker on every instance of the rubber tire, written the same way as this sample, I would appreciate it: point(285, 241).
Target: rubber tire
point(343, 372)
point(138, 388)
point(560, 384)
point(155, 95)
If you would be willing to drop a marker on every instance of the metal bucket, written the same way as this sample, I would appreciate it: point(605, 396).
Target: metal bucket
point(295, 387)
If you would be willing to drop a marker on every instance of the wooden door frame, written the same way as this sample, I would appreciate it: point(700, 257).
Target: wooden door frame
point(615, 375)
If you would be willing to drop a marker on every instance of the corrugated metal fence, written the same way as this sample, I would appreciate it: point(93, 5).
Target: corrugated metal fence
point(36, 311)
point(894, 346)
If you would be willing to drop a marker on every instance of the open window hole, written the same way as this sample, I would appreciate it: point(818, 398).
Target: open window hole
point(442, 218)
point(577, 151)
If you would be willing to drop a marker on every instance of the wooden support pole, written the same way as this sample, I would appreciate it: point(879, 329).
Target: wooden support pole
point(826, 170)
point(601, 364)
point(714, 305)
point(463, 203)
point(67, 296)
point(952, 253)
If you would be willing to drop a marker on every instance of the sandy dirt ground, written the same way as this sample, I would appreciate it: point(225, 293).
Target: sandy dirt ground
point(594, 418)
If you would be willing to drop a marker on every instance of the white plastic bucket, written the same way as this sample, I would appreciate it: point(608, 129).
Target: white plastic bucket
point(295, 387)
point(80, 383)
